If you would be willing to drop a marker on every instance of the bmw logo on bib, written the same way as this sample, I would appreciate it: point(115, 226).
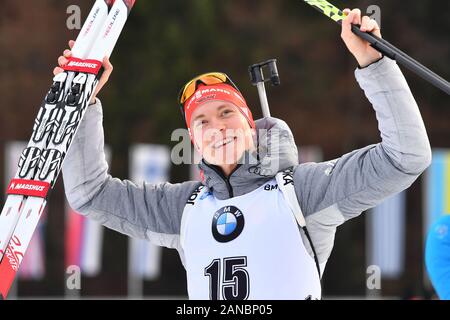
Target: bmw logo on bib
point(228, 223)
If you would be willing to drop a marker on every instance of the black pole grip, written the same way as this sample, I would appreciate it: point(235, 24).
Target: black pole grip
point(402, 58)
point(274, 76)
point(257, 72)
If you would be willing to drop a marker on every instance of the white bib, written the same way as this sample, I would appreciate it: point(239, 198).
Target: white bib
point(246, 247)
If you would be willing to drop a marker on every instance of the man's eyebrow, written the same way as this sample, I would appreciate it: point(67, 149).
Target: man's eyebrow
point(223, 106)
point(198, 117)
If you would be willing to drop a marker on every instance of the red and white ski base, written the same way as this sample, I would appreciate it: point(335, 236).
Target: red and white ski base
point(27, 198)
point(46, 121)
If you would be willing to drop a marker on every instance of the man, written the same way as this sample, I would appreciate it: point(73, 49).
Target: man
point(237, 236)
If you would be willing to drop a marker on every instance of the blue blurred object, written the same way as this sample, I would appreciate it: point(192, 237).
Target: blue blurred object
point(437, 256)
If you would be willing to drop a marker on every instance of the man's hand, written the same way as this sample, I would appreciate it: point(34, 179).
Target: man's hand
point(108, 69)
point(360, 48)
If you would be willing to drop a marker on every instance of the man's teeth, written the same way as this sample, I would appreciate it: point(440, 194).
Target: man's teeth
point(223, 142)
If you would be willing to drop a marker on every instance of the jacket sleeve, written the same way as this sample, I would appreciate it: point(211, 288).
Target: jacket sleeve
point(333, 192)
point(147, 211)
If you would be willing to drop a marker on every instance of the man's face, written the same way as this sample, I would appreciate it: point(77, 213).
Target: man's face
point(221, 134)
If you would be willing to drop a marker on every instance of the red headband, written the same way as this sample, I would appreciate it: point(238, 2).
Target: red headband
point(220, 91)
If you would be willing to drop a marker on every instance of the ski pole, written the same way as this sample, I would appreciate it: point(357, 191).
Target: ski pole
point(257, 77)
point(383, 46)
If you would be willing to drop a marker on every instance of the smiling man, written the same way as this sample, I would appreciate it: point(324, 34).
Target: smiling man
point(219, 121)
point(235, 231)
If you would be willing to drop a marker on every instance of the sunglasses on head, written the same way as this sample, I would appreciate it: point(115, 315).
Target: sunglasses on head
point(207, 79)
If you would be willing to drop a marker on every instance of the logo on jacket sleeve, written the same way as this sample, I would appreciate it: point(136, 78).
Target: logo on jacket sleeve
point(228, 223)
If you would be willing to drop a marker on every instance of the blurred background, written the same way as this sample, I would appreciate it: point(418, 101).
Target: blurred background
point(166, 43)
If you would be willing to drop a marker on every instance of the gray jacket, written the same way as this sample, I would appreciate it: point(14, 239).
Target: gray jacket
point(329, 193)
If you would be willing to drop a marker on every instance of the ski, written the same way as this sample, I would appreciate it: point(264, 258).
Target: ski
point(44, 122)
point(383, 46)
point(43, 162)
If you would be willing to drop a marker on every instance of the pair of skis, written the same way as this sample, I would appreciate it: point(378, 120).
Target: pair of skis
point(54, 129)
